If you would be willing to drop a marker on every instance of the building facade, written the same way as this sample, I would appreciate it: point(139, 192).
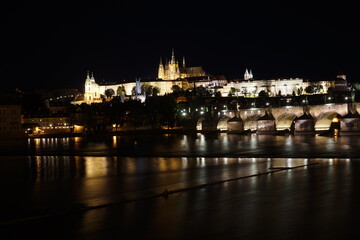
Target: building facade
point(172, 70)
point(10, 121)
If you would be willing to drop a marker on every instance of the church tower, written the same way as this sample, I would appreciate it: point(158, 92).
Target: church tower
point(173, 68)
point(248, 75)
point(161, 71)
point(87, 90)
point(92, 89)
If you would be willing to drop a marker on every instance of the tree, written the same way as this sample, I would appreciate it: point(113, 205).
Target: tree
point(263, 93)
point(155, 91)
point(121, 90)
point(176, 89)
point(299, 91)
point(109, 93)
point(356, 86)
point(133, 91)
point(330, 90)
point(231, 92)
point(201, 91)
point(167, 109)
point(310, 89)
point(147, 89)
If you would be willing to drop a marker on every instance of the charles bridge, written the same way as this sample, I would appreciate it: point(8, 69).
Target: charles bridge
point(328, 118)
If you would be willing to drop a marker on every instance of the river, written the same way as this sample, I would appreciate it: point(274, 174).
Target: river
point(176, 186)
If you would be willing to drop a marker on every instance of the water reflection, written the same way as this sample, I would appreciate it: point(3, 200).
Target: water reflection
point(273, 207)
point(50, 168)
point(250, 208)
point(195, 145)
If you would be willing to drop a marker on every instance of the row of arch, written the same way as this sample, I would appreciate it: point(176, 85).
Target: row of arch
point(323, 122)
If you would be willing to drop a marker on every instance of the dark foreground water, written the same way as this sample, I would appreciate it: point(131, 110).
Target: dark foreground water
point(180, 187)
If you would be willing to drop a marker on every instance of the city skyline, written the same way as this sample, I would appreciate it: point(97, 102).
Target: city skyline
point(53, 45)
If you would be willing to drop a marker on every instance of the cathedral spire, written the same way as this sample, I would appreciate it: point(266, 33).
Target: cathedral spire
point(251, 75)
point(161, 70)
point(246, 74)
point(173, 56)
point(183, 64)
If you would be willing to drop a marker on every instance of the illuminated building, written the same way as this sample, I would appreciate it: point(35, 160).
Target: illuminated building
point(172, 70)
point(172, 73)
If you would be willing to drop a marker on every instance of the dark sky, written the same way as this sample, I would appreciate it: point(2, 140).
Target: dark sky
point(54, 43)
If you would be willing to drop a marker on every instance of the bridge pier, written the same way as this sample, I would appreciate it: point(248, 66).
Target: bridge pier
point(304, 125)
point(235, 125)
point(266, 125)
point(350, 124)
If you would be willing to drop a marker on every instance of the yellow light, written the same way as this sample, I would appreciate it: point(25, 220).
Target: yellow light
point(335, 119)
point(114, 142)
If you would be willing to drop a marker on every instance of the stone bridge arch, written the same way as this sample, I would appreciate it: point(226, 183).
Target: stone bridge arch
point(199, 123)
point(324, 120)
point(318, 110)
point(285, 121)
point(222, 123)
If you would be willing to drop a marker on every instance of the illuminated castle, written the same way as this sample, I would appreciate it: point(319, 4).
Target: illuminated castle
point(172, 70)
point(172, 74)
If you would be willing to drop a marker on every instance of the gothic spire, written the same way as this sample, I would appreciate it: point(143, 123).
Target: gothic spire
point(246, 74)
point(172, 56)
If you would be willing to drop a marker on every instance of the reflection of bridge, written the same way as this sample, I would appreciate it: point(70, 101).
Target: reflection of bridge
point(342, 118)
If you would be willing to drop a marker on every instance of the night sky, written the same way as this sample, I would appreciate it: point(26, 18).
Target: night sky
point(54, 43)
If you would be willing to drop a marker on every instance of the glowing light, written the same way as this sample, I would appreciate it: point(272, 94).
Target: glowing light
point(114, 141)
point(335, 120)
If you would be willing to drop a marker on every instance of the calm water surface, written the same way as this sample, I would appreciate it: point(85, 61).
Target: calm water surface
point(195, 145)
point(108, 188)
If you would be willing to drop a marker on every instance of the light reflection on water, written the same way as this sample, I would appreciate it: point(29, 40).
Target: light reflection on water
point(62, 172)
point(49, 168)
point(195, 145)
point(276, 204)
